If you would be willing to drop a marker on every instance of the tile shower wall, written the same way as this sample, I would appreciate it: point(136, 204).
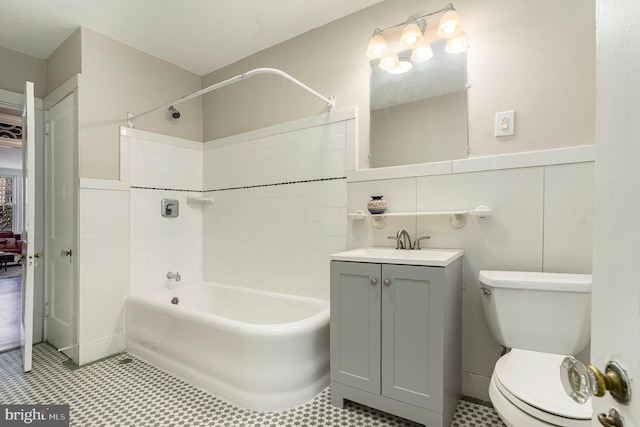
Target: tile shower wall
point(162, 167)
point(542, 221)
point(280, 206)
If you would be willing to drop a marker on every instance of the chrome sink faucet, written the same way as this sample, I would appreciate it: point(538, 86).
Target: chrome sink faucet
point(416, 244)
point(406, 239)
point(403, 240)
point(175, 276)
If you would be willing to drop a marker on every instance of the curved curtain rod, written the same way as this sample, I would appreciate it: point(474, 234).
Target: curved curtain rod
point(331, 101)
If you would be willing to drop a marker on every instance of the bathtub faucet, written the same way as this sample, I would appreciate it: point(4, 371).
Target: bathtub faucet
point(175, 275)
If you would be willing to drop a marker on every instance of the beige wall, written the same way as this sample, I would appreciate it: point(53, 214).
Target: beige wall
point(65, 62)
point(16, 68)
point(116, 79)
point(534, 57)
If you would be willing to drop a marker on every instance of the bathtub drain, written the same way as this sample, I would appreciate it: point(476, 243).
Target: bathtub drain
point(175, 300)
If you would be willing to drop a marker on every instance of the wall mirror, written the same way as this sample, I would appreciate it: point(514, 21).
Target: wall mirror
point(419, 116)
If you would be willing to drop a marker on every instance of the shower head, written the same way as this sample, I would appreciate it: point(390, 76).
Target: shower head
point(174, 113)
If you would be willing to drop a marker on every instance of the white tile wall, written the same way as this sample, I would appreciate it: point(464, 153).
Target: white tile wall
point(163, 166)
point(539, 213)
point(103, 267)
point(297, 155)
point(159, 244)
point(276, 237)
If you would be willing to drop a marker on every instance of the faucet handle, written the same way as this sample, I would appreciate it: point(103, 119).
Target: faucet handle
point(416, 244)
point(399, 244)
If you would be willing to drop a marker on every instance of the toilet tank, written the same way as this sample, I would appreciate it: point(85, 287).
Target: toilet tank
point(547, 312)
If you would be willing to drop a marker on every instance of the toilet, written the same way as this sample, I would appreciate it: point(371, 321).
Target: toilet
point(542, 318)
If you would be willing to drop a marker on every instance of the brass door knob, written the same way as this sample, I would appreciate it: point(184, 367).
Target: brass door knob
point(580, 381)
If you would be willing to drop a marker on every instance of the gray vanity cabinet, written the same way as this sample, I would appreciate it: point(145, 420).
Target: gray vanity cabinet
point(396, 338)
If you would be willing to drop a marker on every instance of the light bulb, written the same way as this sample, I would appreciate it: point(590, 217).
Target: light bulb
point(456, 44)
point(377, 45)
point(450, 24)
point(422, 53)
point(411, 35)
point(403, 67)
point(389, 61)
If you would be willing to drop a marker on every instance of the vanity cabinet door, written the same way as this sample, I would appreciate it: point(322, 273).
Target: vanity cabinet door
point(413, 334)
point(355, 325)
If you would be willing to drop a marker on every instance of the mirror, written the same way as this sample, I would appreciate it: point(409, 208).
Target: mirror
point(419, 116)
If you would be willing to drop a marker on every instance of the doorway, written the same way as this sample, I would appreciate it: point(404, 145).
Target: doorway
point(11, 165)
point(10, 226)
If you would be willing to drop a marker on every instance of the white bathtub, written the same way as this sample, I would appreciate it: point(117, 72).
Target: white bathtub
point(259, 350)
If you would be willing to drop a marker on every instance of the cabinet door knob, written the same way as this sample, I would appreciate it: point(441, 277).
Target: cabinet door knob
point(374, 281)
point(387, 282)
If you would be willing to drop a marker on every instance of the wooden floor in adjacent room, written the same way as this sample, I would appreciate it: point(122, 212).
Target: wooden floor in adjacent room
point(10, 308)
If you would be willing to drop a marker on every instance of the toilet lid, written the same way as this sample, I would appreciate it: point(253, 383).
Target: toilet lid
point(534, 378)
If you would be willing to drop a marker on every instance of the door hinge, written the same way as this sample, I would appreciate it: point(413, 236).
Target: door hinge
point(47, 128)
point(46, 309)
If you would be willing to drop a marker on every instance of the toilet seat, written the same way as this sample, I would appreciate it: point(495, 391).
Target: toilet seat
point(531, 381)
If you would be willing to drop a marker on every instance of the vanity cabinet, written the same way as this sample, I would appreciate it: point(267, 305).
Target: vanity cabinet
point(396, 338)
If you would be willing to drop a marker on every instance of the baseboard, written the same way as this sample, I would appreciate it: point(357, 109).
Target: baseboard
point(475, 386)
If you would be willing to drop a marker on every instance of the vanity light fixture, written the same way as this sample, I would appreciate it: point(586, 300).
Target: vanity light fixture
point(450, 23)
point(413, 37)
point(456, 44)
point(389, 61)
point(422, 53)
point(411, 34)
point(377, 45)
point(403, 67)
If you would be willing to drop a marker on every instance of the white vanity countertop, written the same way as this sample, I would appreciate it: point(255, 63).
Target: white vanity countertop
point(384, 255)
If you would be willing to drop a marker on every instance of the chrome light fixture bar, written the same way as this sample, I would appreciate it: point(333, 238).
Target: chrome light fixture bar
point(412, 37)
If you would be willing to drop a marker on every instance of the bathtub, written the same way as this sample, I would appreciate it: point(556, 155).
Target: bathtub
point(258, 350)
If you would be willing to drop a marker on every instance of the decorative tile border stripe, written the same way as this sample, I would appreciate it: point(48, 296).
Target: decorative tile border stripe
point(275, 184)
point(165, 189)
point(137, 187)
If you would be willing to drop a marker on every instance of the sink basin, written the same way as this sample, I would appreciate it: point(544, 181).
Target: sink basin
point(430, 257)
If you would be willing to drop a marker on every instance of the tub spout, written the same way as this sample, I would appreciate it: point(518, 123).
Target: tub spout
point(175, 276)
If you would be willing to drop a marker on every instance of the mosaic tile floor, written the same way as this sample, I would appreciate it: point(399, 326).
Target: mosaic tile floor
point(126, 391)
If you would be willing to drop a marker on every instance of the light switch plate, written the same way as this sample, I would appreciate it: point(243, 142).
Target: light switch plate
point(505, 123)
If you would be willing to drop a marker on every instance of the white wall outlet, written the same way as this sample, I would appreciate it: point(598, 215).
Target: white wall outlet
point(505, 123)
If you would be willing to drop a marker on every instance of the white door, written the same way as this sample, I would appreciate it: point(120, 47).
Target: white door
point(616, 270)
point(28, 222)
point(60, 325)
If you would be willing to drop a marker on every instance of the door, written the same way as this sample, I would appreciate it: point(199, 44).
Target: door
point(616, 269)
point(355, 325)
point(413, 334)
point(60, 325)
point(28, 259)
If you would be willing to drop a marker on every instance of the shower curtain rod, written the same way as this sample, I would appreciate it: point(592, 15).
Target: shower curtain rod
point(331, 101)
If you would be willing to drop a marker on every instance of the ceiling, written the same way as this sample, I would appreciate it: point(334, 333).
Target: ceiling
point(198, 35)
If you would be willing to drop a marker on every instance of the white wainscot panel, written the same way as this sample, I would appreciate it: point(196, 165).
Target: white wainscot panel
point(568, 218)
point(103, 271)
point(509, 240)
